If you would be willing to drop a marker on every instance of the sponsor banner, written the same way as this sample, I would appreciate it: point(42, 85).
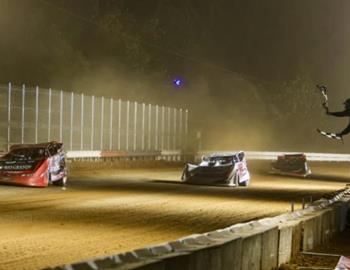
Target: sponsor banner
point(141, 154)
point(171, 152)
point(114, 154)
point(83, 154)
point(128, 154)
point(99, 154)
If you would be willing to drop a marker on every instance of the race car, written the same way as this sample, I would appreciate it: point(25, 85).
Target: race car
point(228, 169)
point(36, 165)
point(291, 164)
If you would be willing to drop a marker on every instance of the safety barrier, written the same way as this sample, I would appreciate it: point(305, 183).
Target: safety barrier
point(264, 155)
point(167, 155)
point(83, 122)
point(257, 245)
point(180, 156)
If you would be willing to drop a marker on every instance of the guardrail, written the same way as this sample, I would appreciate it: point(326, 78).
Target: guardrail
point(179, 155)
point(168, 155)
point(251, 155)
point(265, 155)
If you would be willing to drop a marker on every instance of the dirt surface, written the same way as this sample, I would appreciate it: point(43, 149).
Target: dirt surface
point(110, 211)
point(338, 246)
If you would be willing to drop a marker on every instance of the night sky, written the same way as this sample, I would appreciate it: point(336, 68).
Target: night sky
point(235, 56)
point(272, 40)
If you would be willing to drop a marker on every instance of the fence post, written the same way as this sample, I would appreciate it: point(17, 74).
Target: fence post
point(168, 137)
point(180, 129)
point(49, 118)
point(102, 118)
point(111, 125)
point(71, 120)
point(186, 128)
point(82, 122)
point(9, 117)
point(156, 127)
point(143, 126)
point(174, 131)
point(127, 124)
point(135, 126)
point(119, 121)
point(22, 122)
point(92, 121)
point(36, 112)
point(163, 126)
point(149, 126)
point(61, 116)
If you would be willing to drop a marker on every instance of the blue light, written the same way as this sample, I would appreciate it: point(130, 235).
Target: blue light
point(178, 82)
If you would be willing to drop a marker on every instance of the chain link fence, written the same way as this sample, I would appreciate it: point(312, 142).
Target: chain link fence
point(83, 122)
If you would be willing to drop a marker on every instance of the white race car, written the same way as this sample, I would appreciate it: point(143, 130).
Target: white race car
point(229, 169)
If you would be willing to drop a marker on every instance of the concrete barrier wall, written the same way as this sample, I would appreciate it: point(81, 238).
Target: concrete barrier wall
point(258, 245)
point(326, 225)
point(285, 242)
point(251, 251)
point(345, 202)
point(310, 225)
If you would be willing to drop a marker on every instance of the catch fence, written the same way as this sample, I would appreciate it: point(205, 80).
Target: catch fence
point(84, 122)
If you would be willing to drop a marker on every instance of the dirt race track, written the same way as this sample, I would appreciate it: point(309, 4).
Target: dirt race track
point(106, 212)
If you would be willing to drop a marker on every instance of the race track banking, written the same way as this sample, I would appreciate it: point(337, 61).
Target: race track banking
point(106, 212)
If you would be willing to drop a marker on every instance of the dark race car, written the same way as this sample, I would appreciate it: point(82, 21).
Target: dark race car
point(228, 169)
point(36, 165)
point(291, 164)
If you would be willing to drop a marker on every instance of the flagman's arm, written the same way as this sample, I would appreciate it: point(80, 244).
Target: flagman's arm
point(338, 114)
point(345, 131)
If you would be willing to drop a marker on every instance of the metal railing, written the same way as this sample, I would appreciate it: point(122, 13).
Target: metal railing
point(83, 122)
point(268, 155)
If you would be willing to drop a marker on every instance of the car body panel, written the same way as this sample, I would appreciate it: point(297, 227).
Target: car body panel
point(227, 169)
point(291, 164)
point(35, 165)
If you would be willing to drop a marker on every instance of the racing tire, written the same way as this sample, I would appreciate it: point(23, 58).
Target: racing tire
point(232, 180)
point(240, 184)
point(243, 184)
point(184, 176)
point(61, 183)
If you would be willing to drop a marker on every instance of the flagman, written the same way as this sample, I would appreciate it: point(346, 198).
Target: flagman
point(344, 113)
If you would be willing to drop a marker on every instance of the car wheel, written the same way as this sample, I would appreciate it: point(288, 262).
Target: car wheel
point(232, 180)
point(184, 176)
point(244, 184)
point(62, 182)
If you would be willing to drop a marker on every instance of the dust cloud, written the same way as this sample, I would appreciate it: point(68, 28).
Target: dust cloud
point(264, 100)
point(229, 110)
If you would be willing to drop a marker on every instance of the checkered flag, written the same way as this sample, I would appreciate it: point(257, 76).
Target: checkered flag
point(330, 135)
